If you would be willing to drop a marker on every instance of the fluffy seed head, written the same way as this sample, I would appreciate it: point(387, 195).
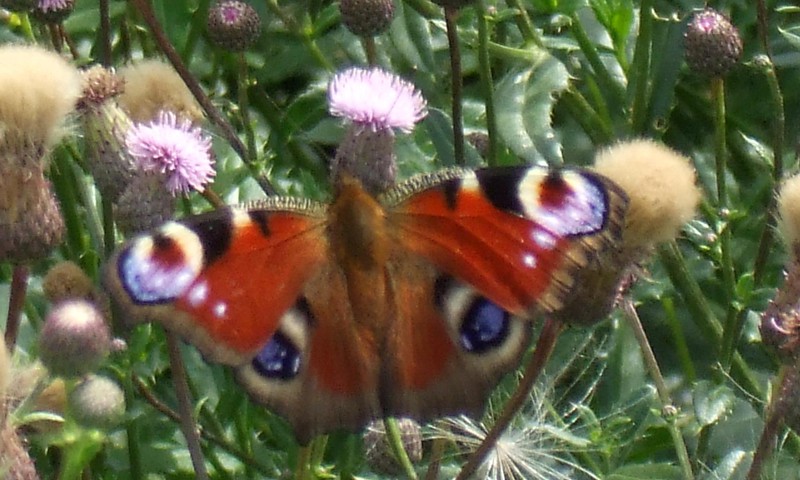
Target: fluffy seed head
point(376, 99)
point(367, 18)
point(97, 402)
point(145, 204)
point(660, 184)
point(175, 149)
point(713, 44)
point(74, 340)
point(380, 457)
point(152, 86)
point(65, 281)
point(45, 89)
point(789, 212)
point(233, 25)
point(15, 462)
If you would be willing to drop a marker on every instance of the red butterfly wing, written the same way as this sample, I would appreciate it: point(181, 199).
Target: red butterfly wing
point(224, 279)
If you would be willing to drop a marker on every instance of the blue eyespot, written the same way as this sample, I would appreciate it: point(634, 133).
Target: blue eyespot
point(279, 359)
point(485, 326)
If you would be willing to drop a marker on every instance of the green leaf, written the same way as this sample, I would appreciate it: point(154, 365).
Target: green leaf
point(732, 466)
point(617, 17)
point(655, 471)
point(711, 402)
point(525, 98)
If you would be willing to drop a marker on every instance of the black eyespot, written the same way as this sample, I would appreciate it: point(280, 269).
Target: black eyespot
point(279, 359)
point(485, 326)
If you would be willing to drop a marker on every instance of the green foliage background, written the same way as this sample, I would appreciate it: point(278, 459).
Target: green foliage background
point(568, 77)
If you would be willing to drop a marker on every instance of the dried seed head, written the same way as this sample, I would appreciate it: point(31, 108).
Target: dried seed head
point(31, 224)
point(380, 457)
point(713, 44)
point(15, 463)
point(233, 25)
point(151, 87)
point(367, 18)
point(74, 340)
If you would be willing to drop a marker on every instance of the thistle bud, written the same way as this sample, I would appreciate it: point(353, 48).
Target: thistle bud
point(380, 456)
point(66, 281)
point(713, 44)
point(367, 18)
point(97, 403)
point(105, 125)
point(145, 204)
point(233, 25)
point(74, 340)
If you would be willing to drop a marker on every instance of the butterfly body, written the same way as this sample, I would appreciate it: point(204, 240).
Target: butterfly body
point(412, 303)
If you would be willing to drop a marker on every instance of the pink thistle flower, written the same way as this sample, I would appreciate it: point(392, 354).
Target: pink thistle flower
point(174, 148)
point(375, 99)
point(50, 5)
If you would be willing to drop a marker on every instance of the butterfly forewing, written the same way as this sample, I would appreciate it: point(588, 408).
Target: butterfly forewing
point(516, 234)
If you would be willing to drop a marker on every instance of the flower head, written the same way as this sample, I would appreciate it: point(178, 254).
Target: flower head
point(375, 99)
point(713, 43)
point(174, 148)
point(50, 5)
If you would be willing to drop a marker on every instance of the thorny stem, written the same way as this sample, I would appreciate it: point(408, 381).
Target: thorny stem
point(105, 34)
point(146, 11)
point(789, 378)
point(544, 347)
point(188, 426)
point(450, 17)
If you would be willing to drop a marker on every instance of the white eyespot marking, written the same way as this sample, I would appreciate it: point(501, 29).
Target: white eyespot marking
point(156, 269)
point(220, 310)
point(577, 207)
point(198, 294)
point(544, 239)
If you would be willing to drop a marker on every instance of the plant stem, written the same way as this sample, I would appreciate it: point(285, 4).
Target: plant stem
point(661, 386)
point(16, 302)
point(487, 84)
point(244, 106)
point(188, 426)
point(639, 71)
point(450, 17)
point(526, 28)
point(396, 443)
point(370, 50)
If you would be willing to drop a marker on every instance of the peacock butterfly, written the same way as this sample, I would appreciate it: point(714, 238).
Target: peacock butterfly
point(412, 303)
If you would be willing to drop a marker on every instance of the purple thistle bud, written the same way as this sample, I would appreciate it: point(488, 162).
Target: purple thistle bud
point(175, 149)
point(375, 99)
point(74, 339)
